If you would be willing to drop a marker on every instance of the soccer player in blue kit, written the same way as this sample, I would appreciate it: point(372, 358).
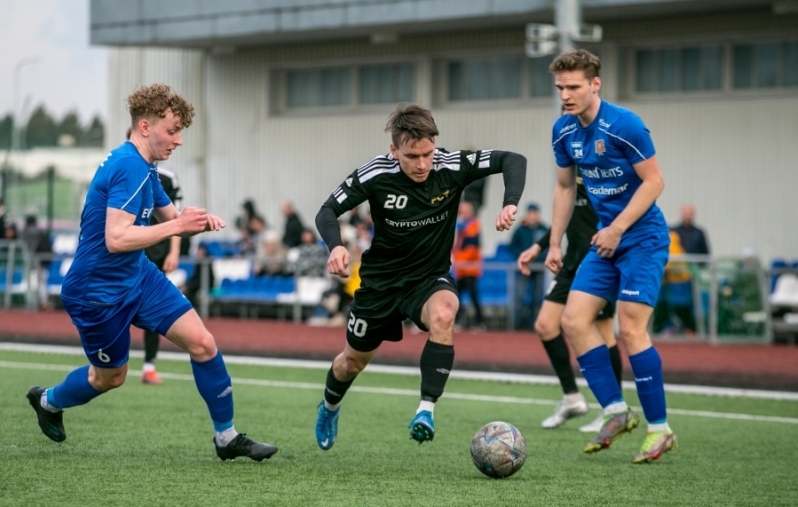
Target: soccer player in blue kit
point(111, 283)
point(612, 151)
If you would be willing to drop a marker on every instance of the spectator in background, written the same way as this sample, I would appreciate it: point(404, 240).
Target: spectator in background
point(2, 216)
point(693, 238)
point(10, 231)
point(194, 283)
point(251, 224)
point(292, 235)
point(467, 257)
point(272, 259)
point(312, 257)
point(529, 289)
point(37, 241)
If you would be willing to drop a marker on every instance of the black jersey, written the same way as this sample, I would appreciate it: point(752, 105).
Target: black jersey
point(413, 222)
point(580, 230)
point(158, 252)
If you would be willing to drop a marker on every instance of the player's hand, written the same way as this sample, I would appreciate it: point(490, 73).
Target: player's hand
point(506, 218)
point(215, 223)
point(526, 257)
point(606, 241)
point(192, 221)
point(554, 259)
point(171, 262)
point(338, 262)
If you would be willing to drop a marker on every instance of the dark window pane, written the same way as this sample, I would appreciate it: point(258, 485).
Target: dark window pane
point(691, 65)
point(743, 66)
point(541, 80)
point(768, 65)
point(318, 87)
point(495, 78)
point(646, 71)
point(791, 63)
point(456, 81)
point(335, 84)
point(713, 67)
point(669, 70)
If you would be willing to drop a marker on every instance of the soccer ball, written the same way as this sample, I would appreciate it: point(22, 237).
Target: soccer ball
point(498, 450)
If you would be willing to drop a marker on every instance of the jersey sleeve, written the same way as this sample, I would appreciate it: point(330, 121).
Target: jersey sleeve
point(478, 164)
point(349, 194)
point(126, 183)
point(633, 139)
point(561, 155)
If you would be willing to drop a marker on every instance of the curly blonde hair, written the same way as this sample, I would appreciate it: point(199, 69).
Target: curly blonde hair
point(155, 100)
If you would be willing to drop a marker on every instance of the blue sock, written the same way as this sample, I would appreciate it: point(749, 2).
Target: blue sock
point(74, 390)
point(596, 367)
point(216, 388)
point(647, 368)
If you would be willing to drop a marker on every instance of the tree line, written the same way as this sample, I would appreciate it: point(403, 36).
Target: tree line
point(42, 129)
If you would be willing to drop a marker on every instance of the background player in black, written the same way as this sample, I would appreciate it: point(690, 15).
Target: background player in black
point(166, 256)
point(413, 193)
point(580, 231)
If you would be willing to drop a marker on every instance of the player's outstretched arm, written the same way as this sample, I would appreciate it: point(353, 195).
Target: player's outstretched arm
point(122, 235)
point(564, 196)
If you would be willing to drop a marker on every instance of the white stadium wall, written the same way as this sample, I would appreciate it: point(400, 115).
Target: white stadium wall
point(733, 158)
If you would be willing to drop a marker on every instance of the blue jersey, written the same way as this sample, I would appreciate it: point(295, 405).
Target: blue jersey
point(604, 153)
point(123, 181)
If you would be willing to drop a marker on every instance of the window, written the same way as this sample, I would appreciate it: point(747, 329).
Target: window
point(319, 87)
point(765, 65)
point(671, 70)
point(386, 84)
point(540, 79)
point(485, 79)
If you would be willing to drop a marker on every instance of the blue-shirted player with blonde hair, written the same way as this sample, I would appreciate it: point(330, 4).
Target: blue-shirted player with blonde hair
point(111, 283)
point(611, 149)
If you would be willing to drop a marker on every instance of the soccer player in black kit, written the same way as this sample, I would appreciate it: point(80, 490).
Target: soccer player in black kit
point(580, 232)
point(414, 193)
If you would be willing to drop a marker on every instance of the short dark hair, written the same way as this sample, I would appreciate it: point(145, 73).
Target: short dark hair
point(155, 100)
point(411, 122)
point(577, 59)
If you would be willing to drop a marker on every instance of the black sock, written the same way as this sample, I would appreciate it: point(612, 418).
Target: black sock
point(334, 389)
point(436, 364)
point(151, 340)
point(617, 365)
point(560, 358)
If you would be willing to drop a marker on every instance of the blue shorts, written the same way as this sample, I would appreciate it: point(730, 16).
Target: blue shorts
point(105, 329)
point(633, 274)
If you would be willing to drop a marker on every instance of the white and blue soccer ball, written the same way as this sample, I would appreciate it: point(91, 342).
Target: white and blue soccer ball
point(498, 450)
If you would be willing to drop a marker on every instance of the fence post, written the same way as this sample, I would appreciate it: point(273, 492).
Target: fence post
point(10, 261)
point(713, 302)
point(204, 289)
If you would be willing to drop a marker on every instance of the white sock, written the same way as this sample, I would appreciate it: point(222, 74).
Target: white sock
point(572, 398)
point(658, 427)
point(618, 407)
point(330, 406)
point(46, 405)
point(225, 437)
point(148, 367)
point(429, 406)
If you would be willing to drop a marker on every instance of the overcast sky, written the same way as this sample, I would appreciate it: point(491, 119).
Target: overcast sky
point(71, 75)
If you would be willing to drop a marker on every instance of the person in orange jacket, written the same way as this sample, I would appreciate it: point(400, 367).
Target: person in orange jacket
point(467, 257)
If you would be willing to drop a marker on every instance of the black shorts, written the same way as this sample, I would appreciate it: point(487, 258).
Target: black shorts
point(561, 286)
point(376, 316)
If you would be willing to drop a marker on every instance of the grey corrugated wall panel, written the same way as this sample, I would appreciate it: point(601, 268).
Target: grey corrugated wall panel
point(734, 158)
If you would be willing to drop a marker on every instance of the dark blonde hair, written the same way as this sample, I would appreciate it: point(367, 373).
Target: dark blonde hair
point(411, 122)
point(154, 100)
point(577, 59)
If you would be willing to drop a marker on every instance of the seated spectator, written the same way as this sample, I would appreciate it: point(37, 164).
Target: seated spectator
point(693, 239)
point(311, 257)
point(252, 225)
point(272, 257)
point(194, 283)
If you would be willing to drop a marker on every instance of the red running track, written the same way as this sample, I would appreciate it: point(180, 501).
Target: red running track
point(745, 366)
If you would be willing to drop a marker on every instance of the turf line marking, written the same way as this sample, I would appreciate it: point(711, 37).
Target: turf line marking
point(516, 378)
point(414, 393)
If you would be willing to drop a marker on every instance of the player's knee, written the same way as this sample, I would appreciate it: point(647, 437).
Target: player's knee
point(353, 366)
point(572, 323)
point(109, 380)
point(547, 328)
point(442, 316)
point(203, 347)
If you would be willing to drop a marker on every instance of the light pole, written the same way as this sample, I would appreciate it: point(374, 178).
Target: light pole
point(29, 60)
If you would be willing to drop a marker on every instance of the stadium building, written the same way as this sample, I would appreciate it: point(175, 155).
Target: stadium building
point(292, 96)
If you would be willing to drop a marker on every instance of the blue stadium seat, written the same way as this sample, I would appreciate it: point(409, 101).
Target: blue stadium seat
point(502, 254)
